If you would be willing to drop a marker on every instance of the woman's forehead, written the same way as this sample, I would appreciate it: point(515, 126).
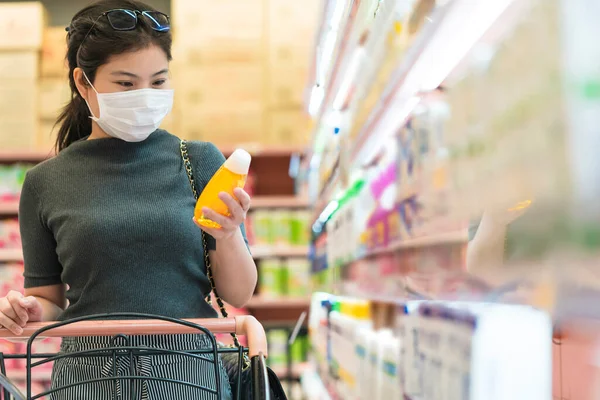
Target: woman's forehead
point(146, 62)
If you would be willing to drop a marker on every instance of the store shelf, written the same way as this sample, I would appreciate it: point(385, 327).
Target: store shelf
point(279, 251)
point(415, 74)
point(11, 255)
point(283, 302)
point(313, 387)
point(9, 208)
point(260, 150)
point(25, 156)
point(279, 202)
point(452, 238)
point(297, 371)
point(278, 312)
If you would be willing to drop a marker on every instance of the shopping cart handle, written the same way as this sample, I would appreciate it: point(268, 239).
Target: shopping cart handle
point(242, 325)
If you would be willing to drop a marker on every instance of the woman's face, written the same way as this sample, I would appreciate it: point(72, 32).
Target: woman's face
point(142, 69)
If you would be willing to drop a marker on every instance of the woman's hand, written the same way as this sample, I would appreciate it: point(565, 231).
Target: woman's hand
point(238, 208)
point(17, 310)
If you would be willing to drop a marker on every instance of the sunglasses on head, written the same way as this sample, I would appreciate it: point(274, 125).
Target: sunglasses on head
point(127, 20)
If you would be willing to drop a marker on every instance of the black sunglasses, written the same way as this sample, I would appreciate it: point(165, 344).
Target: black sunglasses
point(127, 20)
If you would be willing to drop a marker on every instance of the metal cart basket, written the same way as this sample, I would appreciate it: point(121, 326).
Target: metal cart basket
point(120, 327)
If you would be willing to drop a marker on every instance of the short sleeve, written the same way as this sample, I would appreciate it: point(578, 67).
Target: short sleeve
point(206, 159)
point(42, 267)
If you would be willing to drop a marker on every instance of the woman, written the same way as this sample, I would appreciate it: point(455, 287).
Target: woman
point(110, 217)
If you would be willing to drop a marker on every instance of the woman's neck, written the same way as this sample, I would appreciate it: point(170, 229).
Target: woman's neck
point(98, 133)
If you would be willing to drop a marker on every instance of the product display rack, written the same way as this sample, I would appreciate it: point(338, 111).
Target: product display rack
point(415, 248)
point(9, 208)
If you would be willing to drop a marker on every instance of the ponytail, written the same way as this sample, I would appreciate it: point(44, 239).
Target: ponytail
point(74, 121)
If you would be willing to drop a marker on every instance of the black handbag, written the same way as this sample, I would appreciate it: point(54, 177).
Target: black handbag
point(231, 360)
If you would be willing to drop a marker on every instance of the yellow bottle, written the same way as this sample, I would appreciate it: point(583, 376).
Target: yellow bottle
point(231, 175)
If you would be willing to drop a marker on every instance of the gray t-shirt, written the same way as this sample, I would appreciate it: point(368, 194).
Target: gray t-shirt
point(113, 221)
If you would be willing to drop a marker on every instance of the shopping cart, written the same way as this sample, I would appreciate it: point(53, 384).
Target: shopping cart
point(122, 326)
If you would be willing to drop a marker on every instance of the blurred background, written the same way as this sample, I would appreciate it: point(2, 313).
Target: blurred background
point(426, 184)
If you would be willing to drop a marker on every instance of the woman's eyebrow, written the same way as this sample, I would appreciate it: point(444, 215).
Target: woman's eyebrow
point(164, 71)
point(124, 73)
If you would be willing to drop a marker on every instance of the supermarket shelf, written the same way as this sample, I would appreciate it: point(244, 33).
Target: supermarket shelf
point(279, 251)
point(459, 237)
point(11, 255)
point(9, 208)
point(278, 312)
point(279, 202)
point(282, 302)
point(258, 150)
point(313, 387)
point(25, 156)
point(414, 75)
point(297, 371)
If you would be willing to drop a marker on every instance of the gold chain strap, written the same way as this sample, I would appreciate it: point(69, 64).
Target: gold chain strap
point(209, 273)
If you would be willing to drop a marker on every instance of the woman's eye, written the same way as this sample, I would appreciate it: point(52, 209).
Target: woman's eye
point(160, 82)
point(125, 84)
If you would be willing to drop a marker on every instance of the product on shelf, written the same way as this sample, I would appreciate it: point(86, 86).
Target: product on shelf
point(272, 278)
point(279, 227)
point(298, 277)
point(10, 236)
point(346, 319)
point(284, 277)
point(11, 181)
point(277, 339)
point(432, 350)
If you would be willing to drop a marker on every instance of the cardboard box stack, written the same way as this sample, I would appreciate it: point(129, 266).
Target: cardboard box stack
point(54, 84)
point(240, 68)
point(290, 34)
point(217, 70)
point(21, 32)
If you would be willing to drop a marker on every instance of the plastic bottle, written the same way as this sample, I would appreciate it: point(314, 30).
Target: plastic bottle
point(391, 388)
point(361, 351)
point(384, 338)
point(231, 175)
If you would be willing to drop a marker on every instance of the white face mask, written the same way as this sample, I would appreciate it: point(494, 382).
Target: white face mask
point(133, 115)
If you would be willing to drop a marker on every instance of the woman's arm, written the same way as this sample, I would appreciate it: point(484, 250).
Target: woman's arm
point(51, 299)
point(233, 267)
point(234, 270)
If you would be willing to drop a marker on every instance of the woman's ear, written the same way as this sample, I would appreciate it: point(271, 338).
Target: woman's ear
point(81, 82)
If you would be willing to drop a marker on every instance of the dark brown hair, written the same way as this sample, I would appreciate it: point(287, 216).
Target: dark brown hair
point(89, 49)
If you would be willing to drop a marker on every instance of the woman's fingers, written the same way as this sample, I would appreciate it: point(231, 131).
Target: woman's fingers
point(225, 222)
point(33, 306)
point(243, 198)
point(235, 208)
point(8, 318)
point(19, 312)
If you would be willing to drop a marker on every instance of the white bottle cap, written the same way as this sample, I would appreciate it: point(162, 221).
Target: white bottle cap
point(238, 162)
